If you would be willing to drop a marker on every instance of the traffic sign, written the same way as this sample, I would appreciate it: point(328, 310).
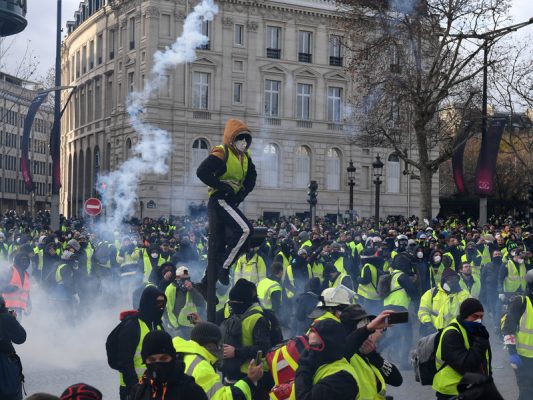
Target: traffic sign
point(92, 207)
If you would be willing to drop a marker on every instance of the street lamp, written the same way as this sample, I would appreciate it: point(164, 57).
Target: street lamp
point(378, 173)
point(351, 183)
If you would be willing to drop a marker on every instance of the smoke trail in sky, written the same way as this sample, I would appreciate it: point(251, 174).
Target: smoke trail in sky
point(152, 152)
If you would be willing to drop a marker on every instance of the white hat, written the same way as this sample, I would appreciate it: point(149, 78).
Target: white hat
point(183, 270)
point(336, 296)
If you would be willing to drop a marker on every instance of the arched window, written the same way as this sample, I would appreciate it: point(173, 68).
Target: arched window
point(393, 173)
point(200, 151)
point(127, 153)
point(270, 171)
point(333, 170)
point(302, 167)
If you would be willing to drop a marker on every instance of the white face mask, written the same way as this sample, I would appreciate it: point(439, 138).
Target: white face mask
point(446, 287)
point(420, 254)
point(479, 321)
point(240, 145)
point(520, 260)
point(154, 255)
point(437, 259)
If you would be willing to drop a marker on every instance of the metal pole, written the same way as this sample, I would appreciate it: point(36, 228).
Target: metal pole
point(54, 206)
point(352, 184)
point(212, 273)
point(376, 212)
point(484, 116)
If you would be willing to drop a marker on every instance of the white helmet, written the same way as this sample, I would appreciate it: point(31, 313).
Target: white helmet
point(336, 296)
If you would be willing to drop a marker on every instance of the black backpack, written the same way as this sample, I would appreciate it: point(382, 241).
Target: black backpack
point(101, 253)
point(112, 342)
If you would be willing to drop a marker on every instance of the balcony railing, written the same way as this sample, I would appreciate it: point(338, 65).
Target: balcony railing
point(304, 124)
point(206, 46)
point(273, 121)
point(274, 53)
point(335, 61)
point(334, 127)
point(201, 115)
point(305, 57)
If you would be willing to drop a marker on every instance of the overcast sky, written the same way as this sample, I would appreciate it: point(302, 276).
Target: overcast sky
point(40, 33)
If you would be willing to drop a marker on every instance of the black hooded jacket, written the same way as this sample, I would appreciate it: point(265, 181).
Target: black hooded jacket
point(338, 386)
point(130, 333)
point(10, 331)
point(179, 387)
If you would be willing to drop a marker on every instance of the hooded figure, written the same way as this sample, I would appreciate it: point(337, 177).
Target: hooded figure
point(134, 329)
point(323, 373)
point(230, 174)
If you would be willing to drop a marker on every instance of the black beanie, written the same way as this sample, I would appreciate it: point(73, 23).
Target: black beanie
point(206, 332)
point(157, 342)
point(241, 292)
point(469, 307)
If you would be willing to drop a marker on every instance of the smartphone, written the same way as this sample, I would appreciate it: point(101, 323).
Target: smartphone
point(398, 318)
point(259, 358)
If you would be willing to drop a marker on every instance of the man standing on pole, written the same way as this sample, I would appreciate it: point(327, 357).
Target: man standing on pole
point(230, 174)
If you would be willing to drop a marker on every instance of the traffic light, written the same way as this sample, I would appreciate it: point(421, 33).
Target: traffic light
point(530, 197)
point(312, 193)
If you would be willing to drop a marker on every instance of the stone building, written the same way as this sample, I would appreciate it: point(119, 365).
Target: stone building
point(277, 64)
point(15, 98)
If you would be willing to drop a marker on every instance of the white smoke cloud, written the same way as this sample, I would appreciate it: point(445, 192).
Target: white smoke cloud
point(153, 150)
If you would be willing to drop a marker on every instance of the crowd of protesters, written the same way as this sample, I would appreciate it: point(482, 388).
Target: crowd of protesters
point(334, 283)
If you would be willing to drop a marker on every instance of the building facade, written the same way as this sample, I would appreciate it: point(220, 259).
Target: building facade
point(15, 98)
point(278, 65)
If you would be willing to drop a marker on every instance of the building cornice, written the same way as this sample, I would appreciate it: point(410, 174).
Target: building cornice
point(283, 8)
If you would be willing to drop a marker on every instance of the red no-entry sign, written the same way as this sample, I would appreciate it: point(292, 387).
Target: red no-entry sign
point(92, 207)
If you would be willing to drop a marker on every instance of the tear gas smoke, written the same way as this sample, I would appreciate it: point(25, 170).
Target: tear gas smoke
point(154, 147)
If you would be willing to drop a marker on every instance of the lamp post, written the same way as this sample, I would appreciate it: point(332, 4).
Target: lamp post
point(351, 183)
point(378, 173)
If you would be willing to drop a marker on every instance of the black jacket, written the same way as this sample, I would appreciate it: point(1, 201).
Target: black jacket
point(354, 341)
point(516, 309)
point(178, 387)
point(213, 167)
point(455, 354)
point(10, 332)
point(130, 332)
point(339, 386)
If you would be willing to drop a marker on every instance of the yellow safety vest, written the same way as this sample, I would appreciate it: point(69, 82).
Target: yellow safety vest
point(446, 378)
point(369, 290)
point(265, 288)
point(199, 364)
point(59, 277)
point(474, 290)
point(368, 378)
point(398, 296)
point(138, 364)
point(188, 308)
point(248, 324)
point(236, 170)
point(290, 277)
point(252, 270)
point(327, 370)
point(515, 279)
point(524, 337)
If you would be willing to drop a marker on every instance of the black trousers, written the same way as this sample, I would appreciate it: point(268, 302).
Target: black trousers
point(524, 379)
point(232, 230)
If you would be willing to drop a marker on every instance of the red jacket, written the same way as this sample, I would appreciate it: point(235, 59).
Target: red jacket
point(18, 298)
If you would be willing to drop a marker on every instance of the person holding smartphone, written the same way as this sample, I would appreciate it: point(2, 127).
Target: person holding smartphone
point(10, 332)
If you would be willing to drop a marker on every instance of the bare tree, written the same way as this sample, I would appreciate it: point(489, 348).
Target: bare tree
point(512, 93)
point(414, 68)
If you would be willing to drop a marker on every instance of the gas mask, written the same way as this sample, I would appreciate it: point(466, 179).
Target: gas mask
point(240, 145)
